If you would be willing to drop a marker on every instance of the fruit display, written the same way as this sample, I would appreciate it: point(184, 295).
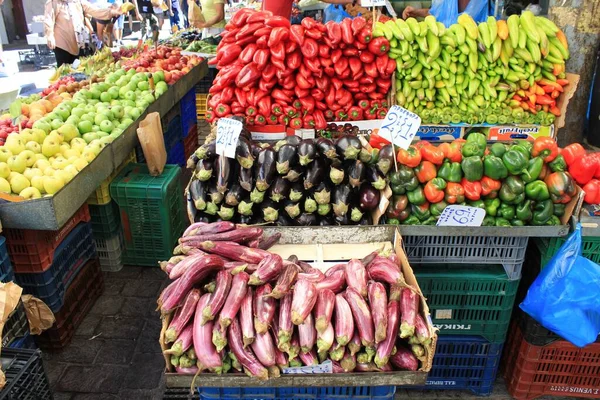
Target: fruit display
point(125, 52)
point(236, 307)
point(494, 72)
point(301, 76)
point(163, 60)
point(68, 83)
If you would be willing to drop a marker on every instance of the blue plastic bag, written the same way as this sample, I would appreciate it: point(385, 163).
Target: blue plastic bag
point(565, 297)
point(446, 11)
point(335, 13)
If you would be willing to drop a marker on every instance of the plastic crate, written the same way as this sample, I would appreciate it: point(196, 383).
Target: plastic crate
point(179, 394)
point(79, 299)
point(206, 82)
point(6, 270)
point(151, 210)
point(506, 251)
point(300, 393)
point(559, 368)
point(16, 326)
point(32, 250)
point(201, 105)
point(475, 301)
point(590, 247)
point(105, 219)
point(464, 362)
point(110, 252)
point(25, 375)
point(173, 134)
point(25, 342)
point(50, 286)
point(176, 155)
point(102, 194)
point(190, 143)
point(188, 112)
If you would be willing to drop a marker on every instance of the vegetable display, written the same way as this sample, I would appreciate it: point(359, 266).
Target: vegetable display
point(226, 319)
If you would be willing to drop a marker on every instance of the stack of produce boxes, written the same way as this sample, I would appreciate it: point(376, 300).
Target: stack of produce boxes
point(48, 265)
point(189, 124)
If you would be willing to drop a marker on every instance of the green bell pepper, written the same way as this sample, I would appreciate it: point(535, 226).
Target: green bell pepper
point(491, 206)
point(533, 170)
point(493, 167)
point(526, 144)
point(436, 209)
point(553, 221)
point(476, 204)
point(542, 212)
point(537, 191)
point(472, 168)
point(511, 188)
point(506, 211)
point(517, 222)
point(521, 149)
point(472, 149)
point(502, 222)
point(488, 220)
point(498, 149)
point(450, 171)
point(559, 209)
point(558, 164)
point(411, 220)
point(404, 180)
point(422, 212)
point(479, 139)
point(417, 196)
point(523, 211)
point(514, 161)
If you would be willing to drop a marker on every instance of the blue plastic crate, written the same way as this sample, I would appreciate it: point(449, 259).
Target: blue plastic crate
point(25, 342)
point(464, 362)
point(188, 112)
point(6, 270)
point(176, 155)
point(173, 133)
point(74, 251)
point(300, 393)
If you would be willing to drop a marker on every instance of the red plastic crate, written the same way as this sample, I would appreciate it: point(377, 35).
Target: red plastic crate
point(32, 250)
point(190, 143)
point(79, 299)
point(558, 368)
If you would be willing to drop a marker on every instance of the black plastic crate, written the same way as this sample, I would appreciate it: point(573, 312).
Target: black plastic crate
point(180, 394)
point(106, 221)
point(205, 83)
point(16, 326)
point(25, 375)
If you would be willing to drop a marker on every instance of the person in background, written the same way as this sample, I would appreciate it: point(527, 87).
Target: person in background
point(423, 12)
point(145, 14)
point(64, 26)
point(176, 17)
point(213, 12)
point(118, 25)
point(160, 16)
point(283, 8)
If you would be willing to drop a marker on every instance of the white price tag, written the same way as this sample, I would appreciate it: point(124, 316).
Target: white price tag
point(324, 368)
point(228, 132)
point(372, 3)
point(390, 9)
point(400, 126)
point(461, 216)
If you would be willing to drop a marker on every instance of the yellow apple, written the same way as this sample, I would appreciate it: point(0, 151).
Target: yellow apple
point(64, 175)
point(59, 163)
point(28, 156)
point(51, 145)
point(72, 170)
point(4, 186)
point(64, 147)
point(38, 183)
point(15, 144)
point(42, 164)
point(49, 171)
point(31, 172)
point(88, 155)
point(17, 164)
point(33, 146)
point(30, 193)
point(80, 164)
point(5, 154)
point(78, 144)
point(4, 170)
point(53, 184)
point(68, 154)
point(18, 183)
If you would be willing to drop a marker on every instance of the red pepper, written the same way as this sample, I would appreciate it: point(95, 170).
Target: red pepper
point(288, 84)
point(572, 152)
point(250, 97)
point(297, 104)
point(290, 46)
point(308, 121)
point(236, 109)
point(248, 30)
point(455, 193)
point(371, 70)
point(329, 115)
point(313, 34)
point(297, 34)
point(283, 119)
point(381, 63)
point(364, 36)
point(379, 46)
point(269, 72)
point(278, 63)
point(313, 65)
point(371, 114)
point(278, 52)
point(277, 21)
point(289, 93)
point(425, 171)
point(278, 35)
point(304, 83)
point(262, 42)
point(317, 94)
point(358, 24)
point(366, 57)
point(391, 66)
point(241, 16)
point(330, 72)
point(545, 147)
point(592, 192)
point(363, 104)
point(347, 36)
point(277, 94)
point(490, 187)
point(249, 121)
point(260, 58)
point(310, 48)
point(340, 66)
point(355, 113)
point(282, 74)
point(350, 52)
point(452, 151)
point(308, 23)
point(383, 84)
point(264, 106)
point(434, 190)
point(222, 110)
point(301, 92)
point(341, 115)
point(248, 75)
point(410, 157)
point(322, 83)
point(319, 105)
point(366, 80)
point(293, 60)
point(472, 189)
point(251, 111)
point(377, 96)
point(276, 109)
point(240, 96)
point(369, 88)
point(324, 51)
point(210, 116)
point(330, 97)
point(360, 96)
point(260, 120)
point(561, 187)
point(334, 32)
point(214, 100)
point(264, 31)
point(266, 85)
point(290, 111)
point(351, 84)
point(259, 16)
point(583, 168)
point(308, 104)
point(320, 122)
point(227, 94)
point(382, 113)
point(229, 53)
point(355, 65)
point(377, 141)
point(326, 62)
point(336, 55)
point(247, 54)
point(296, 123)
point(272, 119)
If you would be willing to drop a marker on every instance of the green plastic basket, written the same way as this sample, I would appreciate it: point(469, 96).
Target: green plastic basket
point(151, 210)
point(106, 222)
point(476, 300)
point(590, 247)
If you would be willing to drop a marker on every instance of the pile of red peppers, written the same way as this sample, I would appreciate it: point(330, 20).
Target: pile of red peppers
point(584, 167)
point(301, 76)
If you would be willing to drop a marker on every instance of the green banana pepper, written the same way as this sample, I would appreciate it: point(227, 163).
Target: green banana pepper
point(422, 212)
point(511, 188)
point(472, 149)
point(404, 180)
point(533, 170)
point(523, 211)
point(537, 191)
point(558, 164)
point(417, 196)
point(491, 206)
point(493, 167)
point(450, 171)
point(472, 168)
point(542, 212)
point(436, 209)
point(488, 220)
point(517, 222)
point(521, 149)
point(411, 220)
point(498, 149)
point(479, 139)
point(553, 221)
point(502, 222)
point(476, 204)
point(506, 211)
point(514, 161)
point(559, 209)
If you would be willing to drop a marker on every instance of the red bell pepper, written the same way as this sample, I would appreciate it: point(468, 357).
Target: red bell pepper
point(297, 34)
point(278, 52)
point(293, 60)
point(350, 52)
point(455, 193)
point(358, 24)
point(319, 105)
point(377, 141)
point(264, 31)
point(308, 121)
point(222, 110)
point(301, 92)
point(371, 70)
point(276, 109)
point(290, 47)
point(278, 35)
point(248, 30)
point(410, 157)
point(381, 63)
point(260, 58)
point(324, 51)
point(334, 32)
point(351, 84)
point(248, 75)
point(227, 94)
point(317, 94)
point(391, 66)
point(320, 122)
point(247, 54)
point(313, 34)
point(249, 121)
point(260, 120)
point(310, 48)
point(583, 168)
point(434, 190)
point(278, 63)
point(259, 16)
point(340, 66)
point(472, 189)
point(261, 42)
point(355, 65)
point(490, 187)
point(264, 106)
point(268, 73)
point(297, 104)
point(229, 53)
point(336, 55)
point(308, 23)
point(277, 21)
point(329, 115)
point(290, 111)
point(304, 83)
point(236, 109)
point(572, 152)
point(366, 57)
point(452, 151)
point(363, 104)
point(308, 104)
point(382, 113)
point(241, 16)
point(278, 95)
point(347, 36)
point(266, 85)
point(341, 115)
point(322, 83)
point(251, 111)
point(288, 83)
point(240, 96)
point(272, 119)
point(296, 123)
point(545, 147)
point(364, 36)
point(425, 171)
point(355, 113)
point(379, 46)
point(250, 97)
point(592, 192)
point(283, 119)
point(313, 65)
point(561, 187)
point(326, 62)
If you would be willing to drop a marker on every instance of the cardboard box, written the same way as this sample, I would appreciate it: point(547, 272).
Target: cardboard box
point(273, 133)
point(514, 132)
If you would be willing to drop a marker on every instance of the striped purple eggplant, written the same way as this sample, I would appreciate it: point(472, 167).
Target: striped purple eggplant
point(303, 301)
point(307, 334)
point(244, 356)
point(378, 302)
point(183, 315)
point(384, 349)
point(362, 316)
point(208, 357)
point(239, 286)
point(285, 281)
point(356, 277)
point(264, 308)
point(344, 321)
point(268, 269)
point(324, 309)
point(217, 299)
point(285, 325)
point(247, 318)
point(184, 341)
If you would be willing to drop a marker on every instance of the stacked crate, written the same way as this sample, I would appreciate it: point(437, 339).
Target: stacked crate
point(25, 376)
point(470, 283)
point(202, 89)
point(173, 135)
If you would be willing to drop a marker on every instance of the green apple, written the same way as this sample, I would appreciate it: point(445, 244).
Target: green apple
point(53, 115)
point(14, 143)
point(84, 127)
point(144, 85)
point(94, 146)
point(106, 140)
point(116, 132)
point(28, 156)
point(56, 123)
point(17, 164)
point(30, 193)
point(118, 112)
point(4, 170)
point(63, 147)
point(95, 128)
point(68, 132)
point(43, 125)
point(88, 137)
point(99, 118)
point(38, 135)
point(78, 112)
point(53, 184)
point(106, 126)
point(72, 120)
point(158, 76)
point(114, 92)
point(19, 183)
point(88, 155)
point(51, 146)
point(105, 97)
point(63, 111)
point(130, 95)
point(95, 94)
point(86, 93)
point(38, 183)
point(4, 186)
point(89, 117)
point(102, 134)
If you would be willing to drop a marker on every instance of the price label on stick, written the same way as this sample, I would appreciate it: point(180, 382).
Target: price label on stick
point(461, 216)
point(372, 3)
point(228, 132)
point(400, 126)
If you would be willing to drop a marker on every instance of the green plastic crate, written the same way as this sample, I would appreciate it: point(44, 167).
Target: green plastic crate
point(590, 247)
point(151, 210)
point(106, 222)
point(476, 300)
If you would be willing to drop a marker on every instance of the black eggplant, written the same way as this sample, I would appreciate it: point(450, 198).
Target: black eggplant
point(223, 173)
point(307, 151)
point(294, 140)
point(287, 157)
point(207, 150)
point(284, 220)
point(324, 209)
point(211, 208)
point(307, 219)
point(201, 218)
point(310, 205)
point(315, 173)
point(204, 169)
point(342, 196)
point(246, 179)
point(245, 207)
point(375, 178)
point(326, 148)
point(279, 190)
point(386, 159)
point(368, 197)
point(366, 220)
point(243, 153)
point(244, 219)
point(270, 210)
point(199, 193)
point(192, 161)
point(292, 209)
point(348, 147)
point(215, 196)
point(342, 219)
point(256, 196)
point(322, 193)
point(256, 149)
point(356, 173)
point(336, 175)
point(296, 192)
point(294, 174)
point(226, 213)
point(265, 170)
point(234, 195)
point(326, 221)
point(356, 214)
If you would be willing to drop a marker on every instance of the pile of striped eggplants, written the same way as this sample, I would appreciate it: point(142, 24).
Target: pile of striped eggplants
point(237, 307)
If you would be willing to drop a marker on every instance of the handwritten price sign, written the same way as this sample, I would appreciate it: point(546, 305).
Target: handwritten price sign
point(228, 132)
point(461, 216)
point(324, 368)
point(372, 3)
point(400, 126)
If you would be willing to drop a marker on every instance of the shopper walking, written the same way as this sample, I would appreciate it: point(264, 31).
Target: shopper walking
point(213, 12)
point(145, 14)
point(283, 8)
point(65, 28)
point(160, 16)
point(176, 16)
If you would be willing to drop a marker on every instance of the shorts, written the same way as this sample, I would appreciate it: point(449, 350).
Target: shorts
point(102, 21)
point(119, 22)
